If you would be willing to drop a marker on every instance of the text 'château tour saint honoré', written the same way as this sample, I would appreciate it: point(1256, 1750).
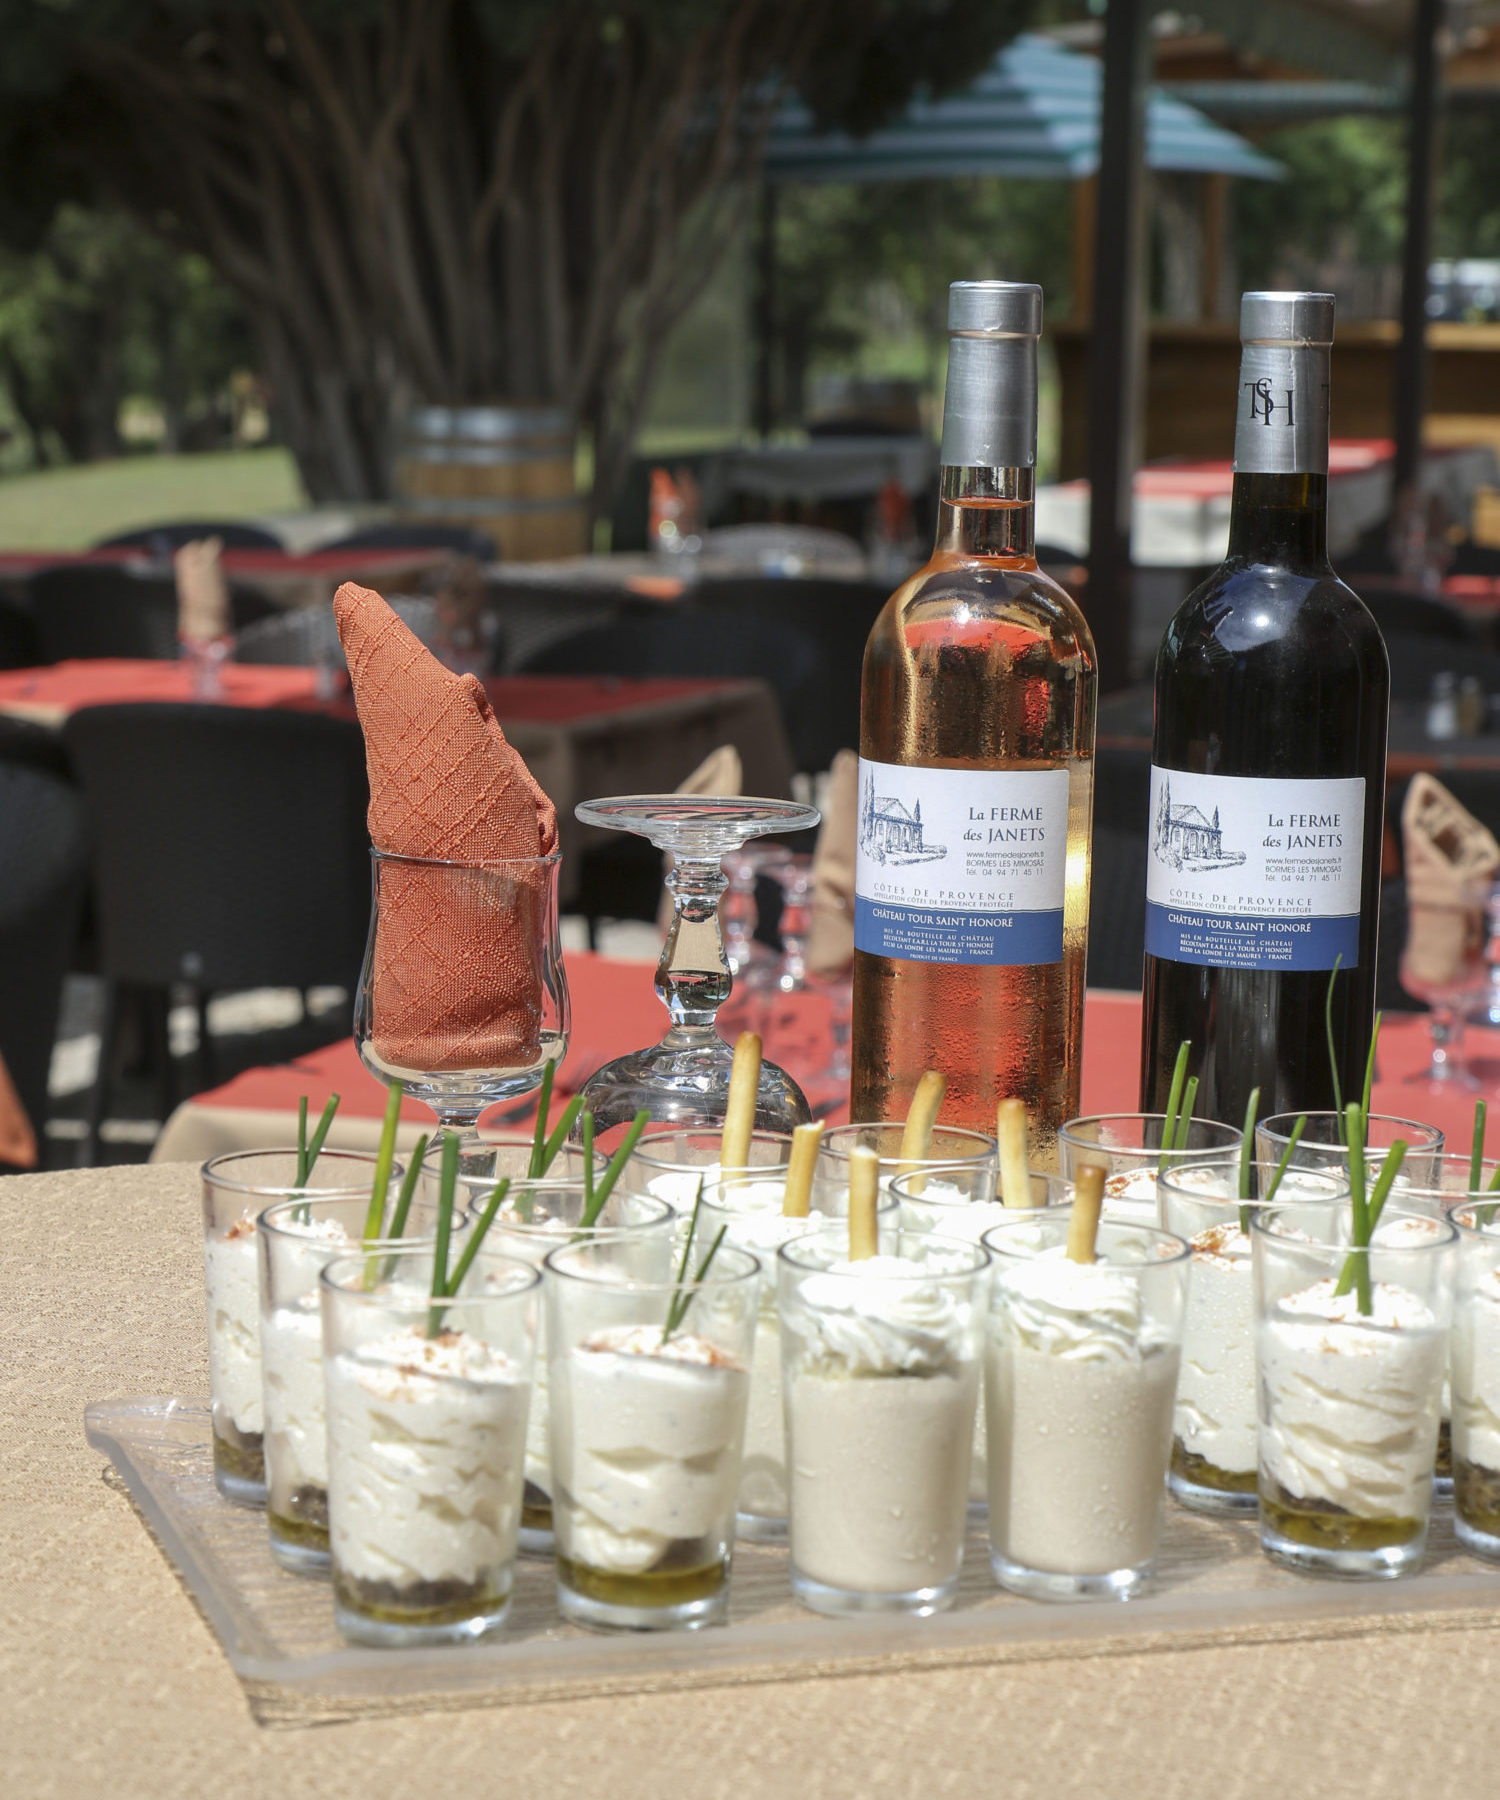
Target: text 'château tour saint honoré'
point(975, 779)
point(1268, 768)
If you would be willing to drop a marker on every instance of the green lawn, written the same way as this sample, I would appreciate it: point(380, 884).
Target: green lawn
point(68, 509)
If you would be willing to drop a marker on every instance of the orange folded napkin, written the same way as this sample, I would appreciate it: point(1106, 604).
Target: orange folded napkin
point(1451, 861)
point(720, 772)
point(457, 981)
point(830, 935)
point(203, 615)
point(17, 1139)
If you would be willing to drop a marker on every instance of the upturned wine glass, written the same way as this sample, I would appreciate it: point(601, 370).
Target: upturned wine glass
point(685, 1078)
point(463, 997)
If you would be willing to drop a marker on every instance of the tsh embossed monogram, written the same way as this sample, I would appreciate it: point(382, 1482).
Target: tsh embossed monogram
point(1264, 404)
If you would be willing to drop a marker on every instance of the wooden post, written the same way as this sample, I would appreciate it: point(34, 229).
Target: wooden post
point(765, 311)
point(1410, 398)
point(1215, 221)
point(1117, 351)
point(1085, 225)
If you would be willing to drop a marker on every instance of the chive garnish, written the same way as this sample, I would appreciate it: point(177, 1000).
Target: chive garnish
point(301, 1140)
point(1185, 1117)
point(594, 1198)
point(1333, 1060)
point(1247, 1143)
point(539, 1135)
point(682, 1297)
point(1174, 1100)
point(447, 1184)
point(385, 1156)
point(1299, 1125)
point(408, 1188)
point(477, 1234)
point(1370, 1067)
point(1476, 1153)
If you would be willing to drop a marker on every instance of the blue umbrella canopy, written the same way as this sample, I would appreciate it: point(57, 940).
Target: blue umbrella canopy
point(1034, 112)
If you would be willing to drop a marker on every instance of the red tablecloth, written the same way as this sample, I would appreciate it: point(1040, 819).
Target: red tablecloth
point(49, 695)
point(327, 564)
point(615, 1009)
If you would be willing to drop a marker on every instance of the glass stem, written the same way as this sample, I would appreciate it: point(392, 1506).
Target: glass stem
point(693, 977)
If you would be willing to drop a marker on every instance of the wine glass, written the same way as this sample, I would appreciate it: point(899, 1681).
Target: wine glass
point(1444, 964)
point(463, 997)
point(685, 1078)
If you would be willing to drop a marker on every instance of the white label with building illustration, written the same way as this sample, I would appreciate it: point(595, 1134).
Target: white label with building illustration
point(1244, 873)
point(961, 865)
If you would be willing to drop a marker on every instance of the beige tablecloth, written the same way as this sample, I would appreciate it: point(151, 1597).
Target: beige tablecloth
point(112, 1685)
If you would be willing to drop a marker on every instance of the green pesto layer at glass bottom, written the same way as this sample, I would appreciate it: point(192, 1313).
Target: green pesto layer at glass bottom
point(536, 1509)
point(419, 1602)
point(241, 1456)
point(669, 1583)
point(306, 1522)
point(1188, 1466)
point(1321, 1525)
point(1476, 1496)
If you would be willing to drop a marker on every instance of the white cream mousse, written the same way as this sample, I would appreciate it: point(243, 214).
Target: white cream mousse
point(426, 1446)
point(882, 1378)
point(1215, 1417)
point(1476, 1373)
point(763, 1480)
point(532, 1240)
point(1079, 1388)
point(291, 1350)
point(645, 1450)
point(1131, 1194)
point(232, 1272)
point(1350, 1402)
point(753, 1188)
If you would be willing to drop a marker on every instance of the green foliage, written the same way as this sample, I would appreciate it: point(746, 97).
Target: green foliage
point(1344, 198)
point(100, 310)
point(857, 264)
point(1468, 215)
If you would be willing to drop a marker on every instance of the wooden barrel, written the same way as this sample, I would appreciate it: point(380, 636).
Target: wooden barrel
point(507, 470)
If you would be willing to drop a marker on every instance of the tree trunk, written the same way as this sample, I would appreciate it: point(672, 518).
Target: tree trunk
point(413, 213)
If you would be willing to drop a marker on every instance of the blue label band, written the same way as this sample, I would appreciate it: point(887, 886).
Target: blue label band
point(1223, 941)
point(929, 934)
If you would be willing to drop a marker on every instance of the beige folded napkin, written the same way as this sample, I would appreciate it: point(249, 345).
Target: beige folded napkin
point(720, 772)
point(17, 1139)
point(1451, 861)
point(830, 936)
point(202, 593)
point(456, 977)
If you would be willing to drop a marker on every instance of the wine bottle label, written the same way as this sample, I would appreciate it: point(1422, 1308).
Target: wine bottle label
point(1281, 419)
point(1245, 873)
point(961, 865)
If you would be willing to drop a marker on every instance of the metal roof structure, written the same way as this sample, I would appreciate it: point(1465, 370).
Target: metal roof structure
point(1034, 112)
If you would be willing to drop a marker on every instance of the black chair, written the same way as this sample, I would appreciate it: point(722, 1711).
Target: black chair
point(43, 868)
point(19, 645)
point(836, 617)
point(304, 636)
point(462, 540)
point(1419, 615)
point(84, 610)
point(1416, 658)
point(162, 540)
point(689, 642)
point(1470, 558)
point(88, 610)
point(1117, 908)
point(230, 852)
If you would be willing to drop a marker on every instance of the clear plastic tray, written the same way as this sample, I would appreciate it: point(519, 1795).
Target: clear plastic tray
point(277, 1629)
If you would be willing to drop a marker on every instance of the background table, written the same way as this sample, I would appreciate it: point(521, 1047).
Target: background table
point(615, 1009)
point(581, 735)
point(111, 1684)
